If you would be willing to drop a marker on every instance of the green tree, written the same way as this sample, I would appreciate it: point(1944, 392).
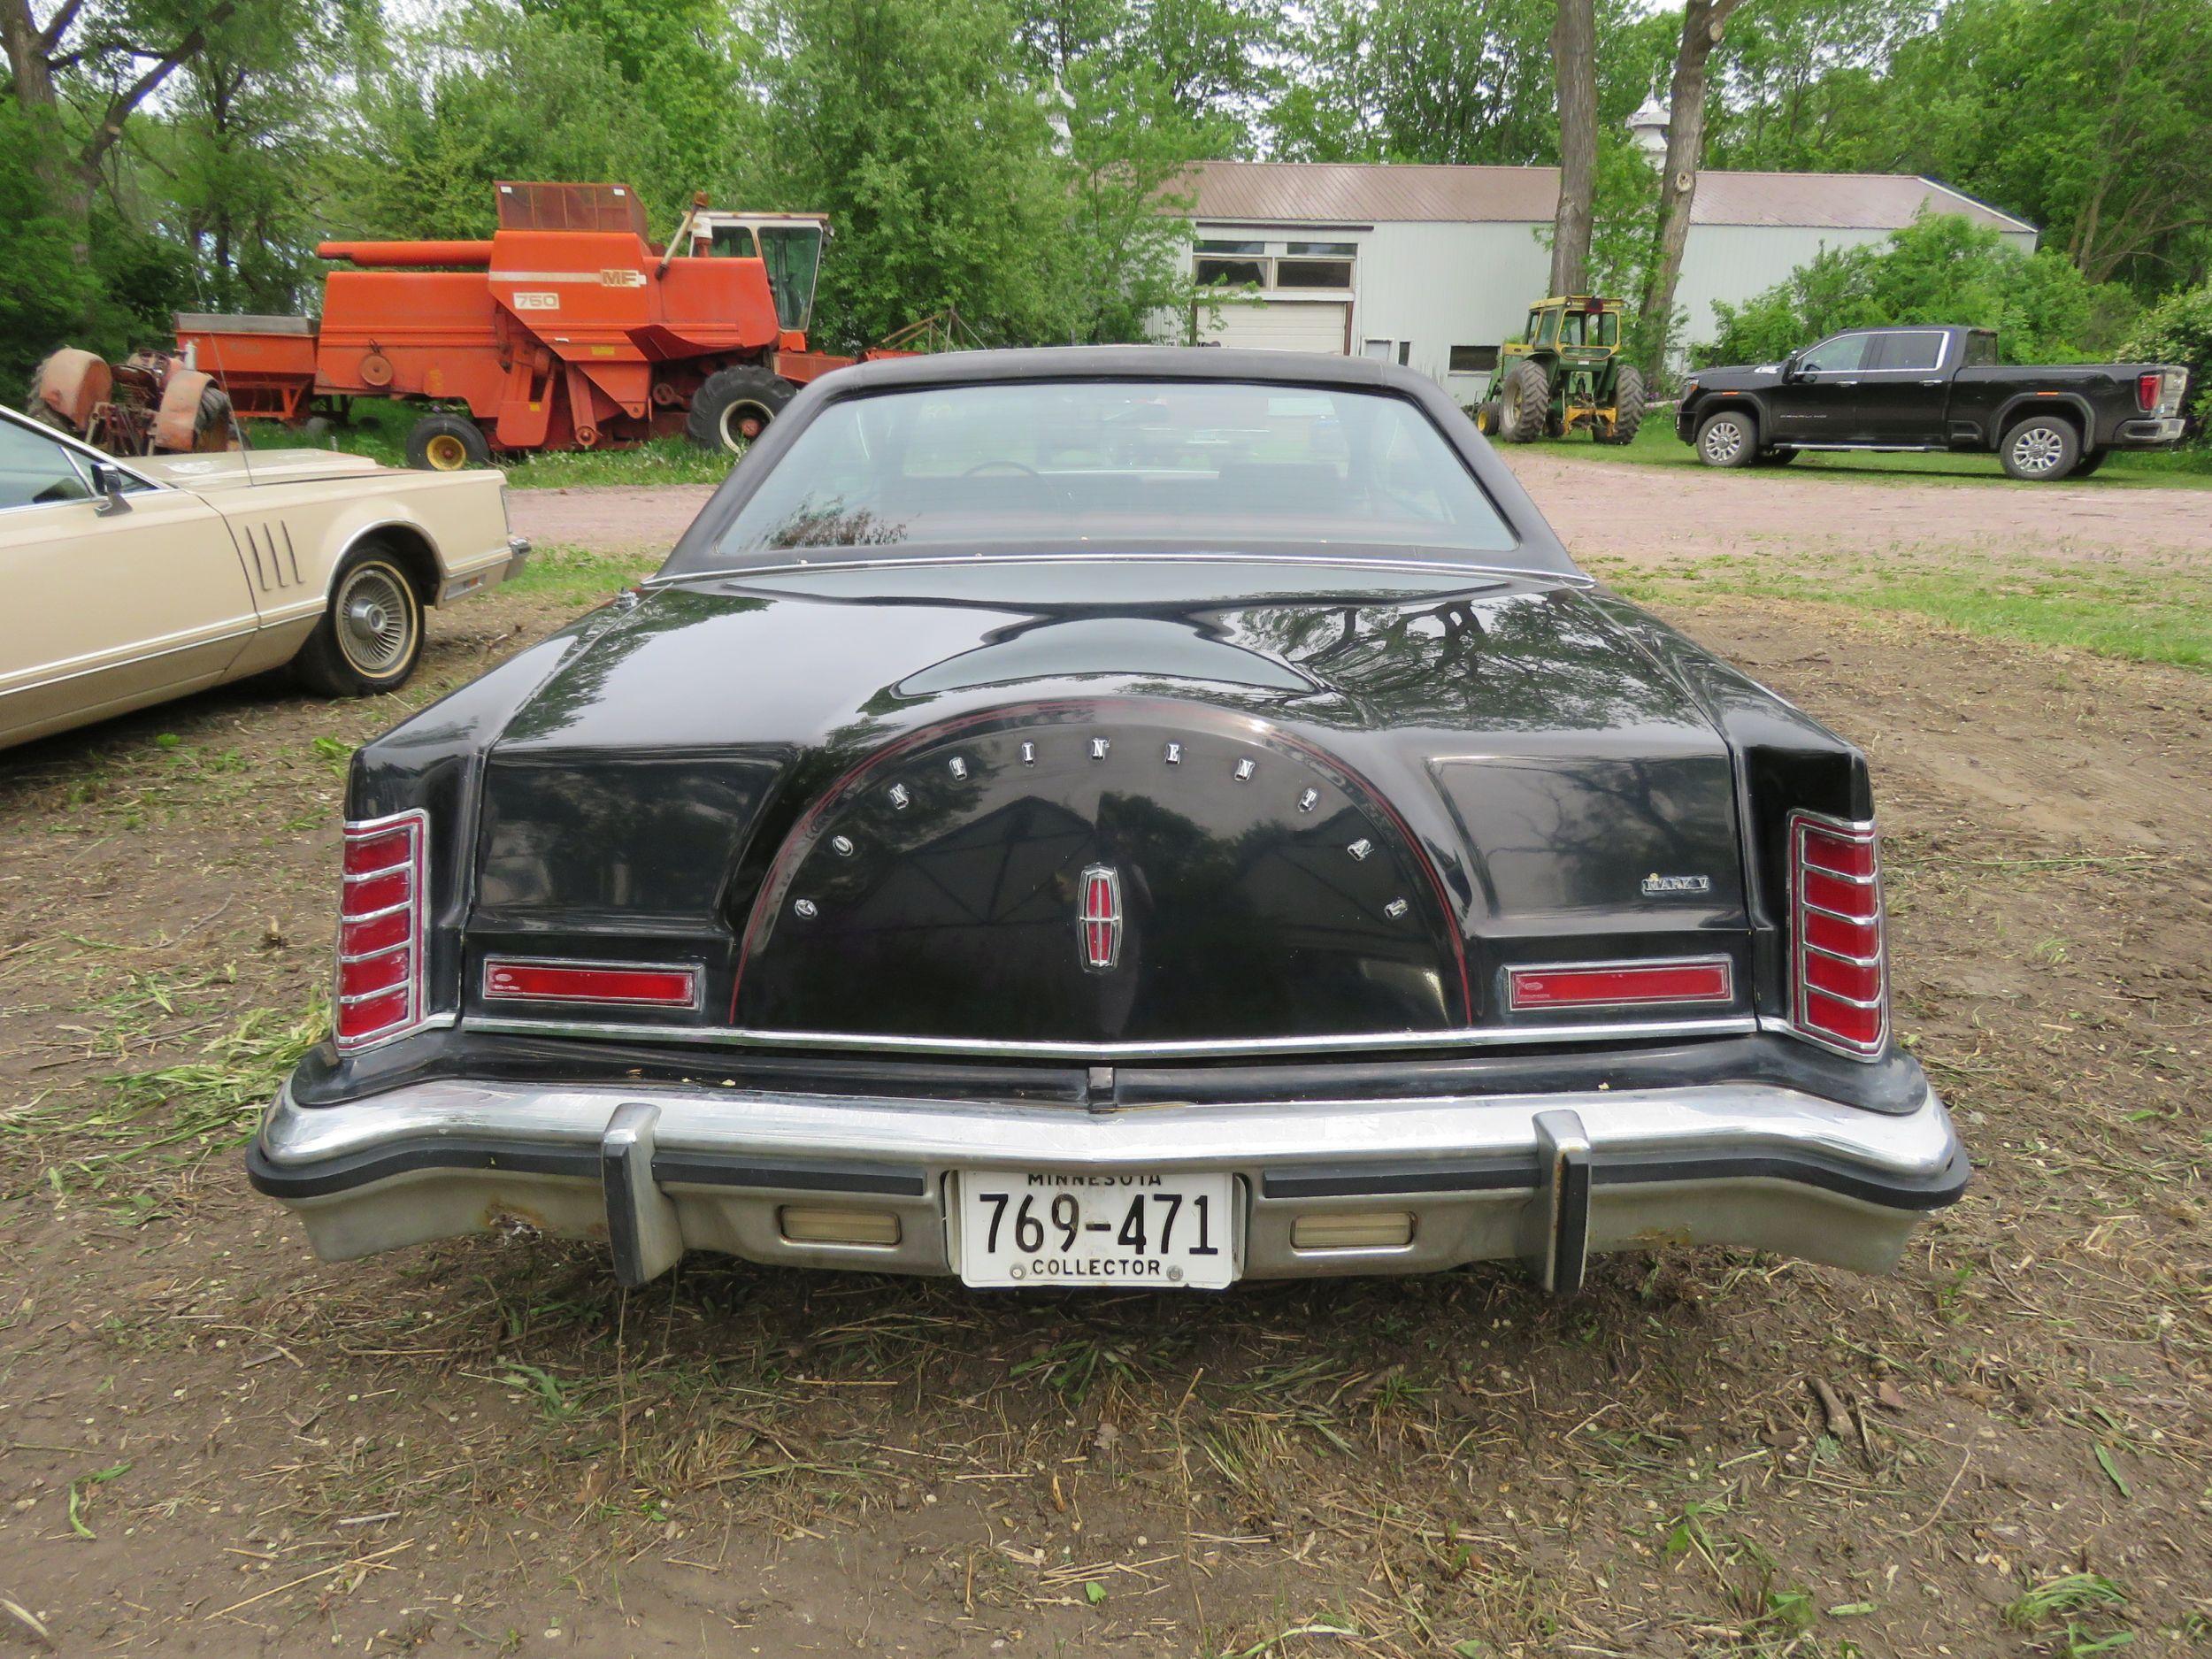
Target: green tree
point(490, 94)
point(2178, 329)
point(1943, 268)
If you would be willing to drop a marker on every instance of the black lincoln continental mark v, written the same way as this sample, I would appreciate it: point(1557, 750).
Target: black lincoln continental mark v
point(1109, 817)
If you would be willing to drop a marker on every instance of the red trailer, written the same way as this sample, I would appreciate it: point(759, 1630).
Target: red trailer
point(567, 329)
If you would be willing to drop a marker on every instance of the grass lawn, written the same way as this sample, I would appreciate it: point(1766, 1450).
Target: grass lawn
point(378, 430)
point(2141, 615)
point(1656, 445)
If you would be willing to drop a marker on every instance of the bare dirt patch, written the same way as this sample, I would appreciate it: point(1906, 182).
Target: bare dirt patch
point(1662, 515)
point(215, 1445)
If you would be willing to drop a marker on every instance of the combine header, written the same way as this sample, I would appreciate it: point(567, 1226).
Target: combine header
point(568, 329)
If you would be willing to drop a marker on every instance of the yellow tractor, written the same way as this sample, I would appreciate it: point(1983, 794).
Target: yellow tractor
point(1565, 374)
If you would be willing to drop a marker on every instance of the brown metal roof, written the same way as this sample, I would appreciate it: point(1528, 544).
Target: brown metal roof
point(1344, 193)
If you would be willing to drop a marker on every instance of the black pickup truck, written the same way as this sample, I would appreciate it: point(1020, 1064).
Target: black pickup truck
point(1930, 387)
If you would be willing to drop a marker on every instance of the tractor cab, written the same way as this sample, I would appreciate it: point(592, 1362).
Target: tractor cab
point(1564, 375)
point(790, 244)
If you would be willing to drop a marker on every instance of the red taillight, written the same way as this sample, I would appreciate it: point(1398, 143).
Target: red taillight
point(2148, 386)
point(517, 980)
point(1839, 970)
point(1618, 984)
point(381, 930)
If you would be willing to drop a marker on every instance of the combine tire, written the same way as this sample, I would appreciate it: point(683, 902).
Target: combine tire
point(1524, 403)
point(446, 443)
point(1729, 439)
point(370, 637)
point(2042, 449)
point(1628, 407)
point(735, 406)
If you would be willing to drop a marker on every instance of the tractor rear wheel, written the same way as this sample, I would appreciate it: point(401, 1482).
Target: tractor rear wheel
point(1524, 403)
point(1628, 407)
point(446, 443)
point(734, 406)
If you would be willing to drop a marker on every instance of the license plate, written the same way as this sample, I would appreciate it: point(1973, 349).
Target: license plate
point(1027, 1227)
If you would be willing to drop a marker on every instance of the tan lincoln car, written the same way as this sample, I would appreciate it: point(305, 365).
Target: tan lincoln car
point(125, 582)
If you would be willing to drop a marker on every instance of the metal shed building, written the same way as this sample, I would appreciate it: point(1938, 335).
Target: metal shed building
point(1434, 266)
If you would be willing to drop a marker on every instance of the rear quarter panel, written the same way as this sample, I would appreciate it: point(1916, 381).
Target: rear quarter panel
point(293, 537)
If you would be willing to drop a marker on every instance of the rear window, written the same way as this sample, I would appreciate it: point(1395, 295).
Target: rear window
point(1191, 464)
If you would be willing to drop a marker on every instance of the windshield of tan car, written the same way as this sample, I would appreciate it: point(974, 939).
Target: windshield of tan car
point(1201, 464)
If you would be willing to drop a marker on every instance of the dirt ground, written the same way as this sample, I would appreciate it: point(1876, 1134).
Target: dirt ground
point(211, 1444)
point(1649, 515)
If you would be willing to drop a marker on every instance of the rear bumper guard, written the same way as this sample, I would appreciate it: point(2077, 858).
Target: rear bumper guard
point(1549, 1179)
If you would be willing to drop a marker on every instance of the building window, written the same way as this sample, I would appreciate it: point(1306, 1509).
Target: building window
point(1313, 273)
point(1204, 246)
point(1318, 249)
point(1474, 359)
point(1405, 352)
point(1209, 270)
point(1378, 350)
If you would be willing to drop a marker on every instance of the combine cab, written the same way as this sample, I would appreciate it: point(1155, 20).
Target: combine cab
point(567, 330)
point(1565, 374)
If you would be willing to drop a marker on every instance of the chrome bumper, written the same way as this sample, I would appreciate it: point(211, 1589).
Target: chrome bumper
point(1548, 1179)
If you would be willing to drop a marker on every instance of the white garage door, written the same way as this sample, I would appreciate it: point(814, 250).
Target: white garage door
point(1280, 325)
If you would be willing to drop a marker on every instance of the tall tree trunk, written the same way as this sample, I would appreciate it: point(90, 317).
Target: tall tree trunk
point(1701, 24)
point(1574, 51)
point(33, 50)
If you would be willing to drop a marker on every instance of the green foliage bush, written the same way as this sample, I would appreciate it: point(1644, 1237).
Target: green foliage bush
point(2178, 329)
point(1940, 269)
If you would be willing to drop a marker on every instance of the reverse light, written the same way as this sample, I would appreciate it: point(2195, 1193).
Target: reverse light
point(520, 980)
point(825, 1224)
point(380, 989)
point(1335, 1230)
point(1693, 980)
point(1838, 967)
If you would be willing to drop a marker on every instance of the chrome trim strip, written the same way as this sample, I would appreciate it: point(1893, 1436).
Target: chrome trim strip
point(1564, 579)
point(1843, 916)
point(370, 956)
point(1474, 1037)
point(376, 916)
point(1837, 955)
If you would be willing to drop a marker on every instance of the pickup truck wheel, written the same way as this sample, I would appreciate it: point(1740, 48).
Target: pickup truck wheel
point(370, 637)
point(734, 406)
point(446, 443)
point(2042, 448)
point(1779, 458)
point(1729, 439)
point(1524, 403)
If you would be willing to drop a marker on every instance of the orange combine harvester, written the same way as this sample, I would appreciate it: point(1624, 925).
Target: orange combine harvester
point(568, 329)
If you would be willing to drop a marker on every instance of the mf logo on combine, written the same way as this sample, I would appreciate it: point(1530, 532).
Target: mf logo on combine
point(1098, 916)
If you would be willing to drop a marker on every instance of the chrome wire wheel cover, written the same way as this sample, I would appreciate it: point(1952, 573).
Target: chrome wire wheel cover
point(376, 619)
point(2038, 450)
point(1724, 441)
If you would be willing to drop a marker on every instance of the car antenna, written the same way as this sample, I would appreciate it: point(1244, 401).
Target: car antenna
point(230, 412)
